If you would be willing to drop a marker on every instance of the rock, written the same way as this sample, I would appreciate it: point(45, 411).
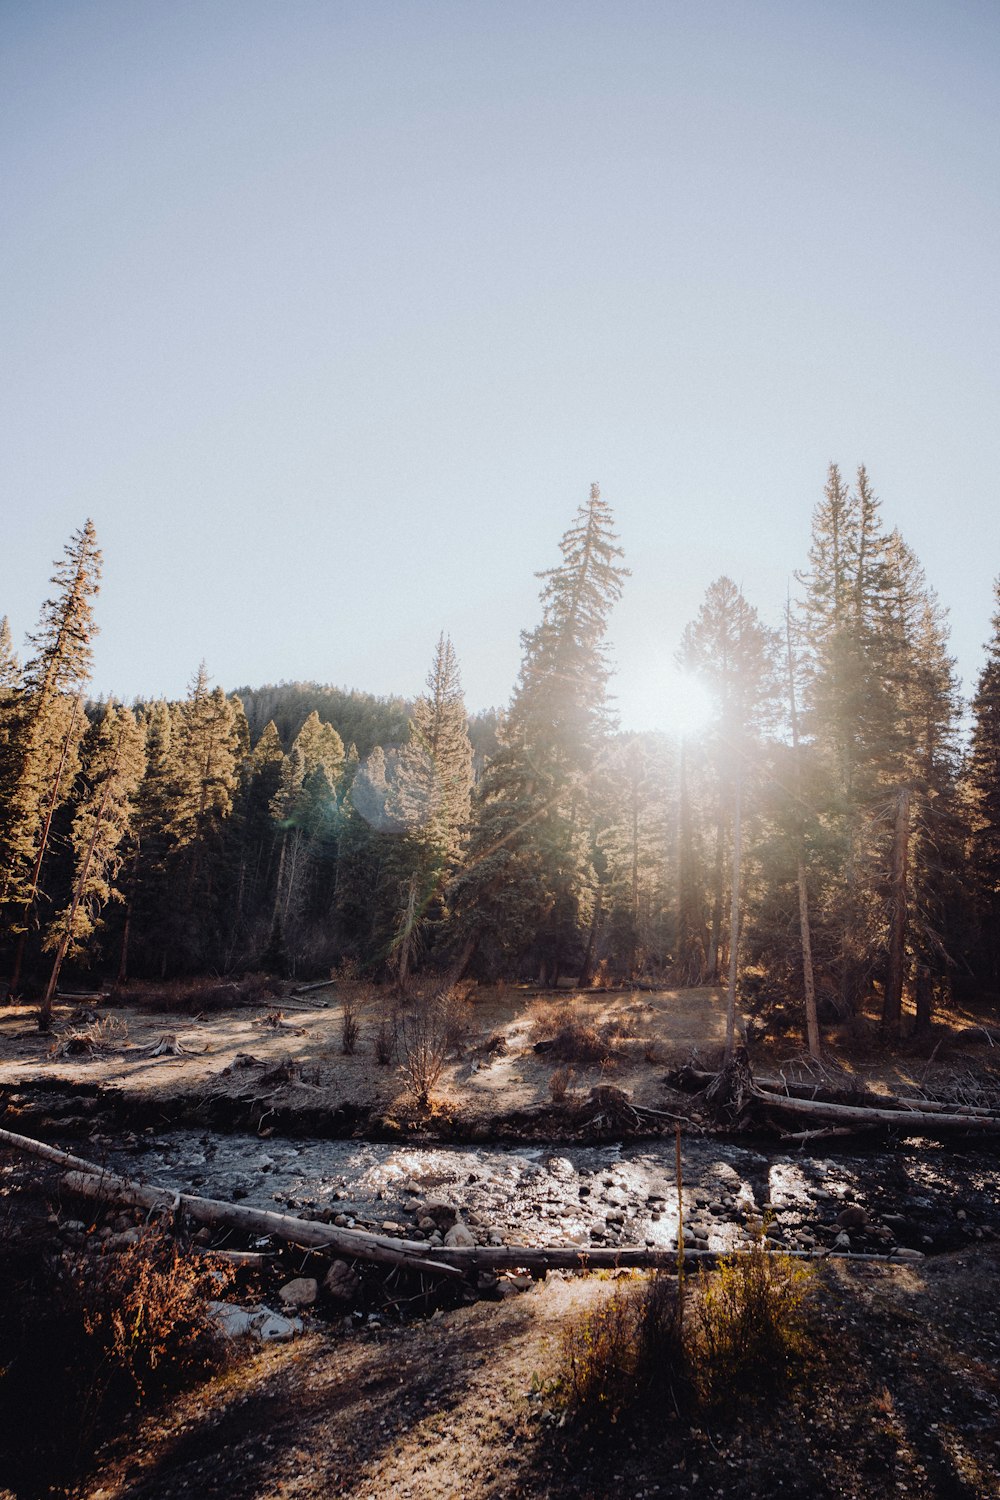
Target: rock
point(341, 1283)
point(443, 1214)
point(852, 1218)
point(843, 1241)
point(256, 1322)
point(904, 1253)
point(302, 1292)
point(616, 1196)
point(459, 1236)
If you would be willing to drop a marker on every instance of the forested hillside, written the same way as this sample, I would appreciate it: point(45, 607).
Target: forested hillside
point(828, 815)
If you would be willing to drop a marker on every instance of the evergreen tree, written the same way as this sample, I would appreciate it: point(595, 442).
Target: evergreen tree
point(430, 797)
point(201, 781)
point(527, 891)
point(982, 786)
point(43, 726)
point(729, 648)
point(113, 767)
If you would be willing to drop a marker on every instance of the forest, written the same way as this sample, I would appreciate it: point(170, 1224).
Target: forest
point(829, 840)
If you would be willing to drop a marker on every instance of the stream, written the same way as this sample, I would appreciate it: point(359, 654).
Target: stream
point(919, 1195)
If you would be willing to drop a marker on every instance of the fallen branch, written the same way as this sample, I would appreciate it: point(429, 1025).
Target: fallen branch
point(320, 984)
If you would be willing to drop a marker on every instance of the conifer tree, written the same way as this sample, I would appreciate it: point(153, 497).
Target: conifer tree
point(729, 648)
point(201, 780)
point(44, 724)
point(527, 890)
point(430, 797)
point(113, 766)
point(982, 786)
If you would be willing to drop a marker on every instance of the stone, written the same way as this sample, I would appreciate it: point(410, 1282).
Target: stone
point(341, 1283)
point(843, 1241)
point(459, 1236)
point(256, 1322)
point(443, 1214)
point(302, 1292)
point(854, 1217)
point(905, 1253)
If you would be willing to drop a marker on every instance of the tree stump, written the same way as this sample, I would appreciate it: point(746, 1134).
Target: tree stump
point(730, 1093)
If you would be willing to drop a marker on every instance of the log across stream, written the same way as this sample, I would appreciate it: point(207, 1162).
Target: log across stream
point(925, 1195)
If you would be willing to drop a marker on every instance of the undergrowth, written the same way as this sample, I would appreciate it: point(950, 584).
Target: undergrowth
point(655, 1347)
point(86, 1339)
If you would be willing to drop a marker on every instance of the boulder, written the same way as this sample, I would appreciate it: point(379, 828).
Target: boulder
point(341, 1282)
point(302, 1292)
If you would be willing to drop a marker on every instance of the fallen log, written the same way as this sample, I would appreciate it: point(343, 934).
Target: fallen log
point(309, 1233)
point(91, 1181)
point(842, 1114)
point(860, 1098)
point(47, 1153)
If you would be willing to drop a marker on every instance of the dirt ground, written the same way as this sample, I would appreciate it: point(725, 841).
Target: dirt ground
point(295, 1043)
point(899, 1396)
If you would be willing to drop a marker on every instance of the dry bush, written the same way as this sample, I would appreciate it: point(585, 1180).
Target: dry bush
point(558, 1028)
point(350, 1026)
point(106, 1035)
point(750, 1323)
point(559, 1084)
point(424, 1044)
point(386, 1039)
point(84, 1341)
point(627, 1355)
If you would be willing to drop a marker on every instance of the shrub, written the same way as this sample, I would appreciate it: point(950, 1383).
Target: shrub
point(349, 1027)
point(87, 1339)
point(561, 1031)
point(750, 1323)
point(423, 1040)
point(386, 1040)
point(194, 996)
point(559, 1084)
point(627, 1355)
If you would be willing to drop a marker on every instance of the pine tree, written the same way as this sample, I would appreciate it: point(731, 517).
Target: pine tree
point(729, 648)
point(44, 724)
point(200, 784)
point(113, 767)
point(982, 786)
point(528, 887)
point(430, 797)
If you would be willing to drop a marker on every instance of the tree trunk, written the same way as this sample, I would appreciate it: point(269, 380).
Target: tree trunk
point(587, 971)
point(734, 920)
point(805, 931)
point(892, 1006)
point(925, 1000)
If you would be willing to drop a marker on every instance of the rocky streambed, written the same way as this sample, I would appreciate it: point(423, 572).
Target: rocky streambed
point(917, 1196)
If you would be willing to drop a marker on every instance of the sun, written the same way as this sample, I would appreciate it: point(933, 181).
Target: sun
point(661, 698)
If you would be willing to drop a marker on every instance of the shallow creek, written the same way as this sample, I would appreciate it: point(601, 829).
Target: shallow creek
point(919, 1195)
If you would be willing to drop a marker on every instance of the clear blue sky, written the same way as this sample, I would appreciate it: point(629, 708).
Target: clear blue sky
point(328, 314)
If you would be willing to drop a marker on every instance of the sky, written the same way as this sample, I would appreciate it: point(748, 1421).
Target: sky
point(328, 314)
